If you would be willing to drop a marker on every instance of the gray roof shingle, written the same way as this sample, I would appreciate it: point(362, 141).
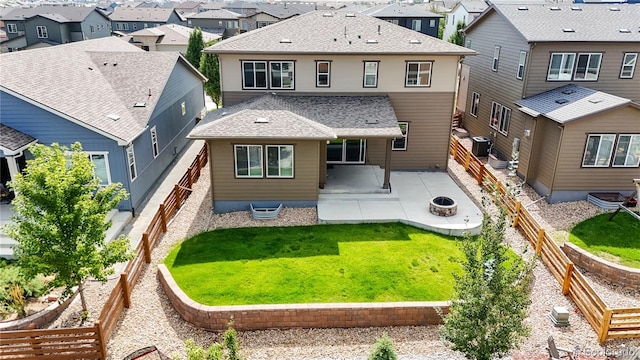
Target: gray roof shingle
point(215, 14)
point(173, 34)
point(12, 139)
point(141, 14)
point(87, 84)
point(302, 117)
point(569, 102)
point(399, 11)
point(55, 13)
point(571, 22)
point(323, 32)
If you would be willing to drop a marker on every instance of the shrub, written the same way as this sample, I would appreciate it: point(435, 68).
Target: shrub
point(15, 288)
point(383, 349)
point(216, 351)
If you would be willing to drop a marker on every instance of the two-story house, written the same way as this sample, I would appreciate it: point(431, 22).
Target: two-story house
point(559, 84)
point(267, 14)
point(409, 16)
point(169, 37)
point(53, 25)
point(222, 22)
point(126, 20)
point(464, 11)
point(326, 89)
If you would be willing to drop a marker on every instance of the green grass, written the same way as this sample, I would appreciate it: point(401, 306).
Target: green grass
point(316, 264)
point(617, 240)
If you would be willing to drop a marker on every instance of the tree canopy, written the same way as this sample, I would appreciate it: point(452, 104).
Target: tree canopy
point(458, 36)
point(209, 67)
point(194, 47)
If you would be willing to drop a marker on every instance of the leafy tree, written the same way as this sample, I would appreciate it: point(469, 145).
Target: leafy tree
point(383, 349)
point(59, 219)
point(458, 37)
point(210, 68)
point(492, 295)
point(194, 47)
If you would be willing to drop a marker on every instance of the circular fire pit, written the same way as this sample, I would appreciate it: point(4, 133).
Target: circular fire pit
point(443, 206)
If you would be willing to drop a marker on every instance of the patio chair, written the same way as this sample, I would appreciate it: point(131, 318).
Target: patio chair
point(146, 353)
point(554, 351)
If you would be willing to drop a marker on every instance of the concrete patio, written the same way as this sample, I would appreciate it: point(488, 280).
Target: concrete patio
point(354, 194)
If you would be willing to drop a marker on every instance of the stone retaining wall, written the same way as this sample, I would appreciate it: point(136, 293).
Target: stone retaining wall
point(255, 317)
point(39, 319)
point(614, 273)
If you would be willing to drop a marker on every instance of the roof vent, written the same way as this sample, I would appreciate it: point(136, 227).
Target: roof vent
point(371, 121)
point(568, 30)
point(562, 101)
point(595, 100)
point(350, 15)
point(140, 104)
point(113, 117)
point(554, 8)
point(327, 15)
point(575, 8)
point(415, 41)
point(568, 91)
point(614, 9)
point(626, 31)
point(261, 120)
point(523, 8)
point(285, 41)
point(372, 41)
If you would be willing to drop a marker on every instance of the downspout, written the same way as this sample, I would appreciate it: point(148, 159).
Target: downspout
point(555, 166)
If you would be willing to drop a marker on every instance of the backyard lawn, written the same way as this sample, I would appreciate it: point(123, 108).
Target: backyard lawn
point(617, 240)
point(316, 264)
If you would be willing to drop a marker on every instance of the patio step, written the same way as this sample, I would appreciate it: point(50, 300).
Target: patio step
point(371, 196)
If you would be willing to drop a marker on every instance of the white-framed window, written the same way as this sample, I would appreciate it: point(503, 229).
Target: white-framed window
point(627, 151)
point(147, 25)
point(101, 170)
point(432, 23)
point(183, 108)
point(134, 26)
point(500, 118)
point(395, 21)
point(254, 74)
point(468, 44)
point(156, 25)
point(628, 65)
point(281, 74)
point(12, 28)
point(42, 32)
point(279, 161)
point(262, 24)
point(370, 78)
point(561, 66)
point(125, 26)
point(416, 25)
point(401, 143)
point(118, 26)
point(92, 29)
point(475, 104)
point(588, 67)
point(496, 58)
point(131, 160)
point(521, 63)
point(323, 73)
point(248, 161)
point(154, 142)
point(598, 151)
point(418, 73)
point(232, 24)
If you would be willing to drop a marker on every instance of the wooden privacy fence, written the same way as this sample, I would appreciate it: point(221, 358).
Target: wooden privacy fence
point(609, 323)
point(91, 342)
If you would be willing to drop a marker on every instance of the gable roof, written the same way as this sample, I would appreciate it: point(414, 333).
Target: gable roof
point(281, 11)
point(13, 141)
point(215, 14)
point(325, 32)
point(88, 81)
point(569, 102)
point(172, 34)
point(472, 7)
point(569, 22)
point(56, 13)
point(399, 10)
point(141, 14)
point(302, 117)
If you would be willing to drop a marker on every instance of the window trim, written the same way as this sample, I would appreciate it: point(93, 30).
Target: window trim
point(267, 74)
point(406, 74)
point(155, 149)
point(475, 104)
point(617, 145)
point(183, 108)
point(270, 73)
point(562, 61)
point(10, 27)
point(502, 122)
point(279, 176)
point(364, 73)
point(235, 161)
point(521, 65)
point(131, 162)
point(496, 58)
point(586, 71)
point(106, 162)
point(42, 32)
point(633, 66)
point(414, 22)
point(595, 165)
point(405, 136)
point(328, 73)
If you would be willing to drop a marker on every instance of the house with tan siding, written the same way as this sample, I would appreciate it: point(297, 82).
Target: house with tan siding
point(529, 54)
point(326, 89)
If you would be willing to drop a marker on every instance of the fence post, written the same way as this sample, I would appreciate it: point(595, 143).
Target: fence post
point(566, 284)
point(102, 342)
point(603, 333)
point(455, 149)
point(467, 161)
point(516, 217)
point(539, 241)
point(146, 247)
point(189, 178)
point(163, 218)
point(481, 174)
point(126, 291)
point(176, 189)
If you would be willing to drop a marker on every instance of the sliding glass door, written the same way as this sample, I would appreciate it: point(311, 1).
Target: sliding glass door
point(346, 151)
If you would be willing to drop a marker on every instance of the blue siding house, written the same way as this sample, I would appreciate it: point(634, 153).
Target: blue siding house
point(130, 109)
point(408, 16)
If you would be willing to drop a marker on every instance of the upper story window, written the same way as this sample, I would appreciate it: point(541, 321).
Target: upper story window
point(468, 44)
point(279, 161)
point(12, 28)
point(281, 74)
point(432, 23)
point(401, 143)
point(183, 108)
point(628, 151)
point(232, 24)
point(131, 160)
point(395, 21)
point(561, 66)
point(370, 78)
point(262, 24)
point(101, 167)
point(254, 74)
point(42, 32)
point(418, 73)
point(475, 103)
point(588, 67)
point(248, 160)
point(92, 29)
point(598, 150)
point(416, 25)
point(323, 73)
point(134, 26)
point(628, 65)
point(122, 26)
point(500, 118)
point(496, 58)
point(154, 142)
point(521, 63)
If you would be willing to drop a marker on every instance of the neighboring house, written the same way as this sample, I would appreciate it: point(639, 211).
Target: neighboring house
point(189, 7)
point(130, 109)
point(222, 22)
point(303, 94)
point(170, 37)
point(409, 16)
point(517, 93)
point(126, 20)
point(53, 25)
point(267, 14)
point(242, 7)
point(464, 11)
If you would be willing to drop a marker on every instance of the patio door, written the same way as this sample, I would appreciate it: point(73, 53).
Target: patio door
point(346, 151)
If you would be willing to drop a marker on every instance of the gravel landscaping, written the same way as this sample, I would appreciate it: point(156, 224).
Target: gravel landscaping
point(151, 319)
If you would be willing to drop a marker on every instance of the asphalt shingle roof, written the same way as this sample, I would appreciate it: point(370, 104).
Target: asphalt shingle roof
point(215, 14)
point(302, 117)
point(55, 13)
point(571, 22)
point(173, 34)
point(399, 10)
point(141, 14)
point(474, 6)
point(13, 139)
point(569, 102)
point(324, 32)
point(90, 80)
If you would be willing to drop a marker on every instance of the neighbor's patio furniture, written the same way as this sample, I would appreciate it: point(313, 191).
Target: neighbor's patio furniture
point(146, 353)
point(554, 351)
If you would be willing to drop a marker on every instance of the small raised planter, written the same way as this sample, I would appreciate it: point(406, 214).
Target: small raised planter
point(265, 212)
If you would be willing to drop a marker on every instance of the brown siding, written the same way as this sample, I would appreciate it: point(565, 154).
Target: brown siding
point(608, 79)
point(571, 176)
point(304, 185)
point(545, 148)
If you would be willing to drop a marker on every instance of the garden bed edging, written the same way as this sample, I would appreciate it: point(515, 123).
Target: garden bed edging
point(607, 270)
